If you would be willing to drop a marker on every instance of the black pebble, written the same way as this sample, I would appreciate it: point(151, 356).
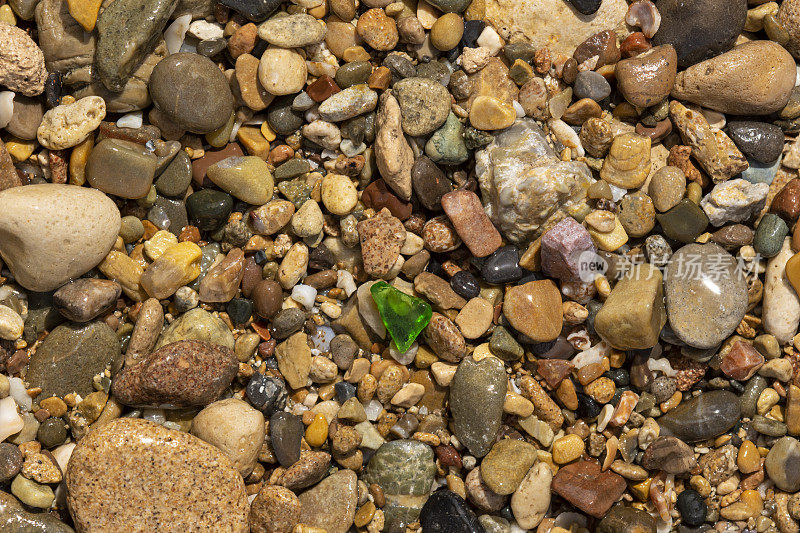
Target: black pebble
point(255, 10)
point(240, 310)
point(52, 89)
point(692, 507)
point(446, 512)
point(502, 266)
point(465, 285)
point(757, 140)
point(588, 408)
point(266, 393)
point(586, 7)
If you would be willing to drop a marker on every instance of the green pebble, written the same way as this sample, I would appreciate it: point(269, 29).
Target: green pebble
point(292, 169)
point(353, 73)
point(503, 345)
point(131, 229)
point(176, 177)
point(769, 235)
point(296, 191)
point(684, 222)
point(31, 493)
point(404, 316)
point(446, 145)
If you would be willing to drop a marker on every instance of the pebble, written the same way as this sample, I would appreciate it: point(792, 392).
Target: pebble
point(22, 63)
point(780, 464)
point(446, 145)
point(757, 140)
point(282, 71)
point(348, 103)
point(705, 416)
point(197, 325)
point(285, 432)
point(646, 79)
point(781, 313)
point(734, 200)
point(187, 489)
point(178, 375)
point(247, 178)
point(692, 297)
point(331, 505)
point(12, 514)
point(477, 394)
point(562, 248)
point(84, 299)
point(274, 509)
point(669, 454)
point(755, 78)
point(424, 105)
point(235, 428)
point(404, 469)
point(692, 507)
point(667, 187)
point(585, 486)
point(393, 155)
point(623, 519)
point(506, 464)
point(293, 31)
point(465, 211)
point(192, 92)
point(68, 125)
point(502, 266)
point(701, 30)
point(627, 164)
point(769, 235)
point(447, 31)
point(590, 84)
point(378, 30)
point(294, 359)
point(490, 113)
point(121, 168)
point(534, 309)
point(447, 511)
point(381, 239)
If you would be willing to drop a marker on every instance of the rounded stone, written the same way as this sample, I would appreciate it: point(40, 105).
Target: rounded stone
point(234, 427)
point(692, 507)
point(590, 84)
point(281, 71)
point(477, 394)
point(757, 140)
point(121, 168)
point(171, 477)
point(10, 461)
point(706, 294)
point(424, 105)
point(783, 464)
point(51, 433)
point(446, 32)
point(191, 91)
point(667, 187)
point(506, 464)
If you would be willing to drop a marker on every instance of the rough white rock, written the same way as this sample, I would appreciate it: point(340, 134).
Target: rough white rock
point(781, 307)
point(734, 201)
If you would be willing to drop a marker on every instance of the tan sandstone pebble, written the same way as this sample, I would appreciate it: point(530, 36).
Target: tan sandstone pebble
point(275, 509)
point(438, 291)
point(628, 162)
point(172, 478)
point(393, 155)
point(254, 95)
point(534, 309)
point(475, 318)
point(67, 125)
point(381, 237)
point(378, 30)
point(294, 359)
point(445, 339)
point(755, 78)
point(646, 79)
point(282, 71)
point(22, 66)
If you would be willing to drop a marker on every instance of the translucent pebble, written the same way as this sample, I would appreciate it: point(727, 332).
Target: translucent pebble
point(344, 281)
point(176, 33)
point(10, 421)
point(321, 338)
point(373, 409)
point(131, 120)
point(154, 415)
point(19, 392)
point(404, 358)
point(304, 295)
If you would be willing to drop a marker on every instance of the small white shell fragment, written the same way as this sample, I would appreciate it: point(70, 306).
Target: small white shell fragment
point(176, 33)
point(6, 108)
point(10, 421)
point(566, 136)
point(19, 392)
point(204, 30)
point(131, 120)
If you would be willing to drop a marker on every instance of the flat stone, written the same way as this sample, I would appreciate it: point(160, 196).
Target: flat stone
point(122, 168)
point(708, 415)
point(172, 478)
point(587, 488)
point(534, 309)
point(782, 464)
point(466, 213)
point(332, 503)
point(669, 454)
point(623, 519)
point(701, 281)
point(381, 237)
point(247, 178)
point(404, 469)
point(70, 356)
point(84, 299)
point(294, 31)
point(14, 517)
point(506, 464)
point(477, 394)
point(294, 360)
point(761, 141)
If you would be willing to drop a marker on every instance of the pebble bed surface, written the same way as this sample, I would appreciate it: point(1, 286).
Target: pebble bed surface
point(413, 266)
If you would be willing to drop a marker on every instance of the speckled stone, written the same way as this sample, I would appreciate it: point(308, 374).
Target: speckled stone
point(404, 469)
point(477, 394)
point(706, 295)
point(70, 356)
point(84, 299)
point(171, 479)
point(181, 374)
point(331, 504)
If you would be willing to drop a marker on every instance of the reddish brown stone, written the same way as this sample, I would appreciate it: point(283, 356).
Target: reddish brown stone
point(634, 44)
point(587, 488)
point(322, 88)
point(657, 132)
point(199, 166)
point(243, 40)
point(679, 156)
point(448, 456)
point(786, 203)
point(553, 371)
point(465, 211)
point(603, 45)
point(58, 166)
point(377, 196)
point(380, 79)
point(741, 362)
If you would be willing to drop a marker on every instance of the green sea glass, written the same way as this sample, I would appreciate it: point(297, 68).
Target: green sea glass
point(404, 316)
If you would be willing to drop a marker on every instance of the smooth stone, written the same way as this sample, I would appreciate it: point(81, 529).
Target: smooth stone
point(446, 145)
point(266, 393)
point(84, 299)
point(477, 394)
point(755, 78)
point(282, 71)
point(282, 118)
point(451, 6)
point(684, 222)
point(234, 427)
point(534, 309)
point(198, 325)
point(590, 84)
point(447, 512)
point(708, 415)
point(424, 105)
point(623, 519)
point(506, 464)
point(176, 177)
point(169, 214)
point(171, 477)
point(761, 172)
point(331, 504)
point(404, 469)
point(699, 30)
point(51, 233)
point(633, 314)
point(127, 32)
point(247, 178)
point(769, 235)
point(10, 461)
point(585, 486)
point(429, 183)
point(757, 140)
point(692, 507)
point(525, 187)
point(192, 92)
point(122, 168)
point(702, 281)
point(70, 356)
point(209, 209)
point(14, 517)
point(27, 116)
point(353, 73)
point(781, 306)
point(783, 464)
point(294, 31)
point(285, 433)
point(255, 10)
point(502, 266)
point(646, 79)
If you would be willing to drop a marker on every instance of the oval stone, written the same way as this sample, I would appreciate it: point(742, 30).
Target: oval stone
point(477, 394)
point(706, 294)
point(703, 417)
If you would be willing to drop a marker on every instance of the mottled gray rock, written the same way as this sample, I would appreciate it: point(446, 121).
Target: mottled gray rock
point(477, 394)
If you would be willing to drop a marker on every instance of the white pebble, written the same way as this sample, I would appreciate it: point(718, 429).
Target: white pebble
point(304, 295)
point(131, 120)
point(344, 281)
point(412, 245)
point(617, 192)
point(404, 358)
point(566, 136)
point(62, 454)
point(10, 421)
point(490, 39)
point(11, 324)
point(592, 355)
point(6, 108)
point(154, 415)
point(204, 30)
point(176, 33)
point(518, 108)
point(19, 392)
point(605, 415)
point(321, 338)
point(661, 365)
point(373, 410)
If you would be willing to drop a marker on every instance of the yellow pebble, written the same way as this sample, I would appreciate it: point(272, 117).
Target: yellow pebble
point(317, 431)
point(85, 12)
point(355, 53)
point(253, 141)
point(793, 271)
point(77, 161)
point(156, 245)
point(701, 485)
point(567, 449)
point(177, 266)
point(748, 459)
point(67, 99)
point(220, 137)
point(642, 489)
point(7, 15)
point(20, 149)
point(490, 113)
point(609, 240)
point(267, 132)
point(125, 271)
point(364, 514)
